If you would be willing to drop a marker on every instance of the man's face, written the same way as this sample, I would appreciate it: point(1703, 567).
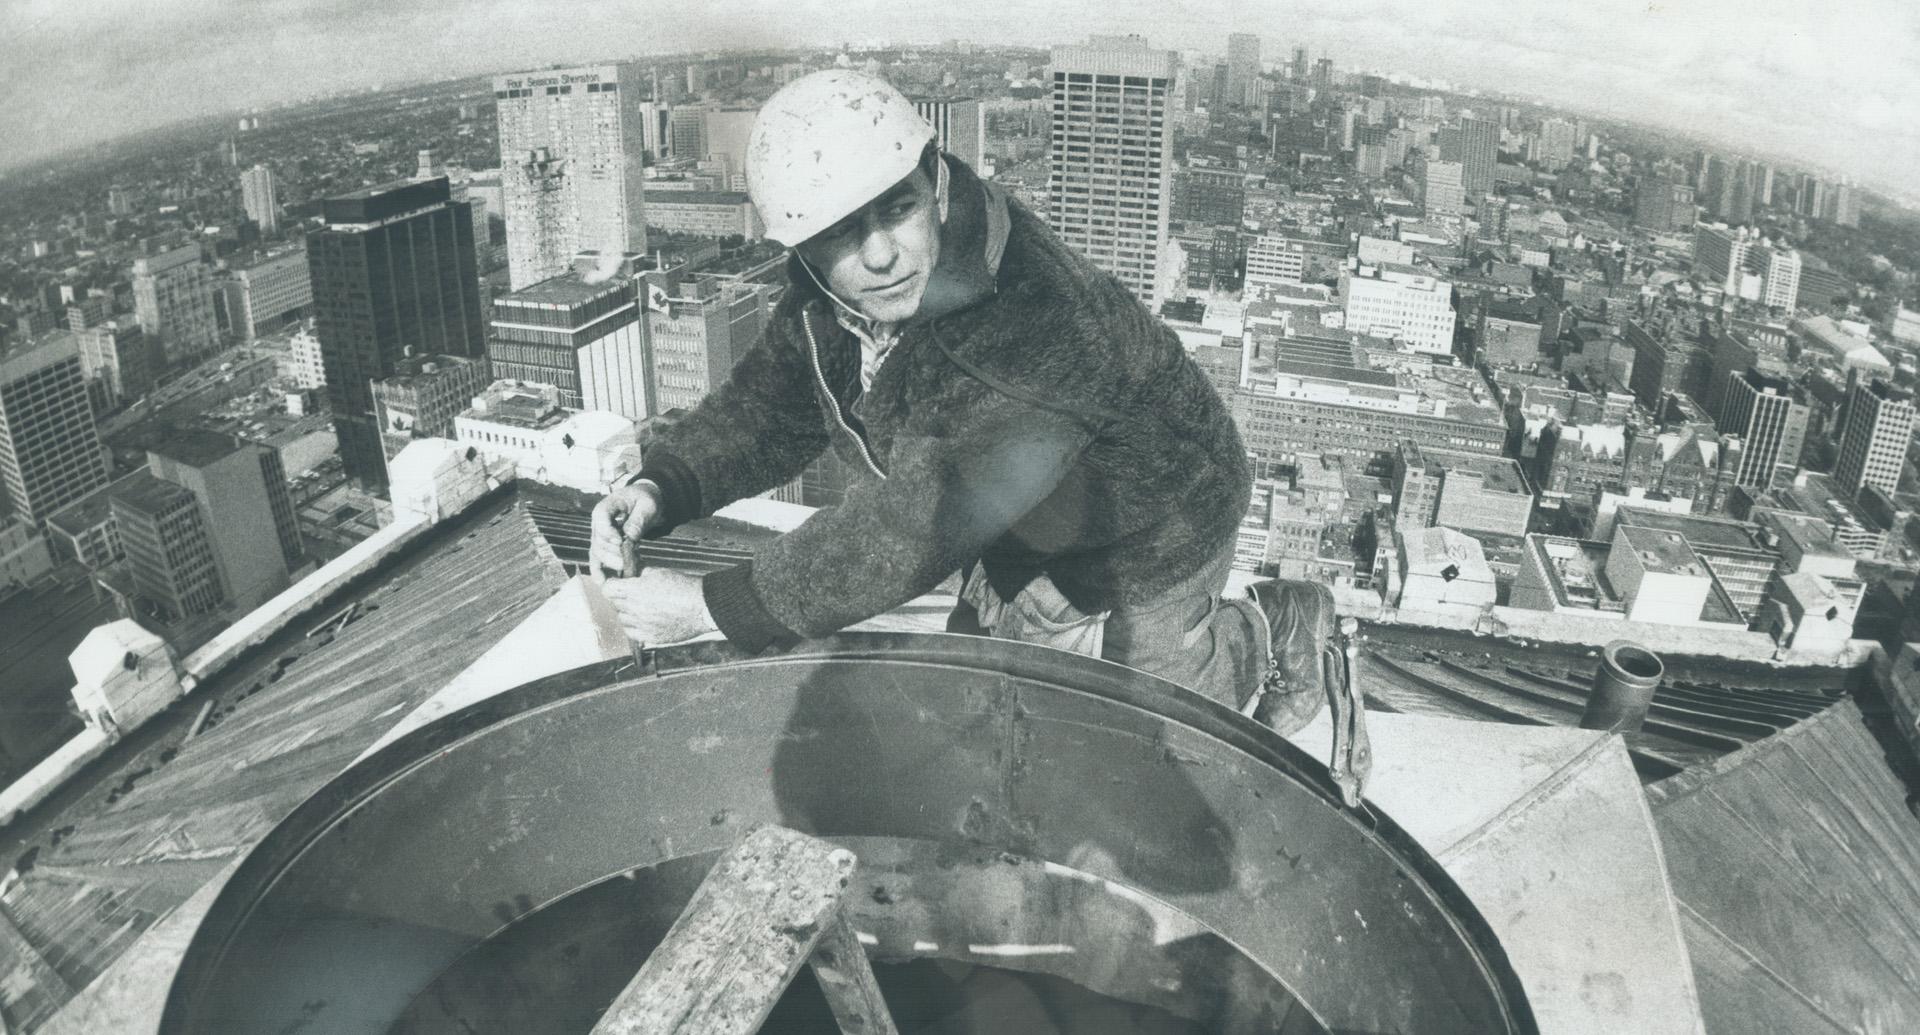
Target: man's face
point(879, 258)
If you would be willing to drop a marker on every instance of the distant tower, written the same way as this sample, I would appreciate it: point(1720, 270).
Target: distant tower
point(571, 168)
point(1479, 150)
point(957, 122)
point(258, 197)
point(1764, 413)
point(1243, 66)
point(1110, 99)
point(173, 297)
point(393, 269)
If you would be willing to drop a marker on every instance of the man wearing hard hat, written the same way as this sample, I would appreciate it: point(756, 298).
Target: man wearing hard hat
point(1009, 411)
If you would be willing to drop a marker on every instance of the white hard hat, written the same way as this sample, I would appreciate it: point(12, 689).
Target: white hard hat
point(826, 144)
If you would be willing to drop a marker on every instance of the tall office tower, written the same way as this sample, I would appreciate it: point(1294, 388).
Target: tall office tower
point(1770, 421)
point(1299, 65)
point(727, 133)
point(588, 340)
point(706, 325)
point(91, 311)
point(257, 196)
point(1742, 187)
point(169, 553)
point(1813, 198)
point(1765, 196)
point(1844, 200)
point(1110, 164)
point(571, 168)
point(241, 487)
point(656, 127)
point(958, 124)
point(393, 271)
point(1781, 268)
point(1323, 74)
point(1720, 254)
point(1218, 89)
point(688, 131)
point(1478, 141)
point(1243, 66)
point(119, 354)
point(1663, 206)
point(1733, 354)
point(50, 452)
point(1437, 185)
point(696, 79)
point(1554, 144)
point(1873, 445)
point(173, 298)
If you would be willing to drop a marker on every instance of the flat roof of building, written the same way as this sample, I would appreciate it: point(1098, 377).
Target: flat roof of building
point(1663, 550)
point(195, 447)
point(568, 289)
point(1703, 532)
point(149, 493)
point(697, 197)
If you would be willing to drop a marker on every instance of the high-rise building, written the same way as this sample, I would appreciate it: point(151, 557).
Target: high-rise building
point(1663, 206)
point(258, 197)
point(1553, 145)
point(1720, 254)
point(268, 294)
point(726, 139)
point(173, 298)
point(50, 451)
point(119, 201)
point(393, 273)
point(1844, 200)
point(1323, 74)
point(1733, 354)
point(1243, 66)
point(1873, 445)
point(957, 122)
point(1413, 309)
point(1299, 70)
point(1663, 366)
point(571, 168)
point(89, 311)
point(241, 488)
point(1110, 163)
point(687, 131)
point(1479, 144)
point(587, 339)
point(699, 332)
point(119, 353)
point(1772, 423)
point(1437, 185)
point(1781, 269)
point(169, 553)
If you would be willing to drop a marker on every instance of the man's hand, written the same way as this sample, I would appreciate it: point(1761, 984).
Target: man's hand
point(627, 513)
point(661, 607)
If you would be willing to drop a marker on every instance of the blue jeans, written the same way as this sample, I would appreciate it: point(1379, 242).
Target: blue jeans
point(1188, 635)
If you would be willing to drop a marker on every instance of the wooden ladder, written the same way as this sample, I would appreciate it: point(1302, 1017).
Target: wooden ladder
point(768, 906)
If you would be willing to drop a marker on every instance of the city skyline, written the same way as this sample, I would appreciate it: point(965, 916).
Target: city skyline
point(1821, 90)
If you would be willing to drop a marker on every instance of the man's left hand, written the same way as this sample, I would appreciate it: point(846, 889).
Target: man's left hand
point(660, 607)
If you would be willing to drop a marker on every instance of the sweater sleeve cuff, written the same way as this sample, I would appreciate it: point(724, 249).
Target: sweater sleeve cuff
point(679, 489)
point(737, 610)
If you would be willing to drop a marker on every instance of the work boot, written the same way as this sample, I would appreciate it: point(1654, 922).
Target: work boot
point(1300, 621)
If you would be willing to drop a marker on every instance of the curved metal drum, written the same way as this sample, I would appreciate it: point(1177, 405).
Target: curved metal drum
point(910, 746)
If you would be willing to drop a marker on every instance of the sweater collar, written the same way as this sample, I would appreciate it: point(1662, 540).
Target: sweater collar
point(972, 242)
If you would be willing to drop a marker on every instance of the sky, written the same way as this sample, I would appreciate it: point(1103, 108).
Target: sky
point(1834, 86)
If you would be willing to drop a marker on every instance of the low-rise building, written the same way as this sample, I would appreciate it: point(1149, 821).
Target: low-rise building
point(524, 424)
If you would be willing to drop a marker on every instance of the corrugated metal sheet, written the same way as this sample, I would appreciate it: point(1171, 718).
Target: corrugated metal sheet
point(303, 709)
point(1797, 866)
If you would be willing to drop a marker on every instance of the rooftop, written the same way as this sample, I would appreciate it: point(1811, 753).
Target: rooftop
point(698, 197)
point(1662, 551)
point(1714, 534)
point(148, 493)
point(567, 289)
point(195, 447)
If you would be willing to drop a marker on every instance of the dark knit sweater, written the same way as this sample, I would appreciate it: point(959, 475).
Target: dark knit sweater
point(1036, 418)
